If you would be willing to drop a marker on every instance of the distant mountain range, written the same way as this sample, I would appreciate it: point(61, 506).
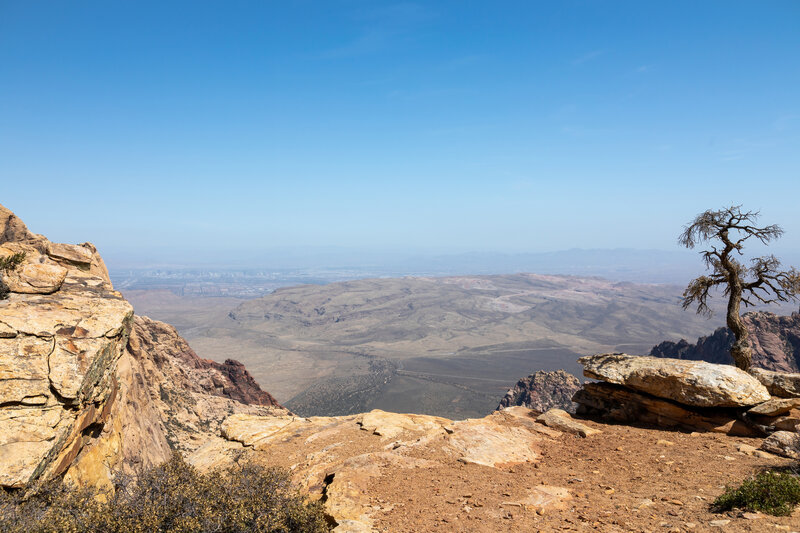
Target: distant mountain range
point(287, 267)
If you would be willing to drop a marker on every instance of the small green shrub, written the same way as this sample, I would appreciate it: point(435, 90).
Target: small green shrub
point(12, 261)
point(7, 264)
point(769, 492)
point(173, 497)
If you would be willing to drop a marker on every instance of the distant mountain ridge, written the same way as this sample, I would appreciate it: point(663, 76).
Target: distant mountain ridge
point(775, 341)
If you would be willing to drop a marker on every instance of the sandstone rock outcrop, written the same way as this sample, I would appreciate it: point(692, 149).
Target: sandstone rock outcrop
point(58, 380)
point(87, 388)
point(619, 404)
point(775, 341)
point(542, 391)
point(780, 384)
point(12, 229)
point(696, 396)
point(775, 407)
point(693, 383)
point(339, 458)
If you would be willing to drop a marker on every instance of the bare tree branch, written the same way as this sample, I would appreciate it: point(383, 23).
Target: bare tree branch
point(762, 282)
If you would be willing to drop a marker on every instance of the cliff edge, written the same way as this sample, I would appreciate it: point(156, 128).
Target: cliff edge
point(86, 387)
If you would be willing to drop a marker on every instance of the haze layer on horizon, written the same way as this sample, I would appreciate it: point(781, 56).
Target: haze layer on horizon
point(531, 127)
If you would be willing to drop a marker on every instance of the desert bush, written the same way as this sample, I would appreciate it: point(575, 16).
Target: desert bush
point(173, 497)
point(11, 262)
point(775, 493)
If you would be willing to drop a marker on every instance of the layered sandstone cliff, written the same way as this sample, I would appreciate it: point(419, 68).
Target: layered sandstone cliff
point(86, 387)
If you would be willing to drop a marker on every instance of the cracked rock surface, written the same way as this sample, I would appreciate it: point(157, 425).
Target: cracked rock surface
point(58, 354)
point(87, 389)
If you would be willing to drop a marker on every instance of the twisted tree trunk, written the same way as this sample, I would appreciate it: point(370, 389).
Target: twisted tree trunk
point(740, 351)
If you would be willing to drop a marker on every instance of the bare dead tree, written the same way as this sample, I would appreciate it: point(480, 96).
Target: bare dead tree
point(763, 281)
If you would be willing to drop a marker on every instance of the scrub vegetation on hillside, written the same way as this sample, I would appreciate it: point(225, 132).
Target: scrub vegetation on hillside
point(173, 497)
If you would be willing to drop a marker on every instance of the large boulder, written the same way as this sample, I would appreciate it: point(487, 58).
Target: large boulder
point(693, 383)
point(620, 404)
point(783, 443)
point(34, 278)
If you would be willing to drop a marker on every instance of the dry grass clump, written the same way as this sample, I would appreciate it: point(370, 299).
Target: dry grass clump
point(173, 497)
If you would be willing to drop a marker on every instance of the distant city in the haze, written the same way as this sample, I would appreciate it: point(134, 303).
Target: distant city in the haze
point(644, 266)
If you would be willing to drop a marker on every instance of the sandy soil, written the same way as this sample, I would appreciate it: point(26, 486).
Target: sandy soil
point(626, 479)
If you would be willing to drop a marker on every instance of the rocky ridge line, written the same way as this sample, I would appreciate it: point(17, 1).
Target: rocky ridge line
point(775, 341)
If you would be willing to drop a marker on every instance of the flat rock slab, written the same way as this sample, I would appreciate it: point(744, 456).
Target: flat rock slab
point(694, 383)
point(254, 430)
point(491, 442)
point(562, 421)
point(545, 497)
point(70, 252)
point(775, 407)
point(780, 384)
point(392, 425)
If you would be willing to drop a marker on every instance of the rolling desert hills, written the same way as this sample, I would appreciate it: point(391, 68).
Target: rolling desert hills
point(446, 346)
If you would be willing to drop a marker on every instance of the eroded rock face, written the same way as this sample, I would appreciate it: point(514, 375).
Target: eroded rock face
point(62, 331)
point(172, 355)
point(58, 379)
point(86, 388)
point(693, 383)
point(12, 229)
point(542, 391)
point(169, 399)
point(774, 339)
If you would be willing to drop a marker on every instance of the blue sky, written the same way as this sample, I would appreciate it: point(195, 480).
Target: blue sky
point(452, 126)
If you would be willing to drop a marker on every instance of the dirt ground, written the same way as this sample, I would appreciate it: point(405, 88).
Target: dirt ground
point(625, 479)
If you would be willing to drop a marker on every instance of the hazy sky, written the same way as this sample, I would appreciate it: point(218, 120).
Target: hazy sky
point(517, 126)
